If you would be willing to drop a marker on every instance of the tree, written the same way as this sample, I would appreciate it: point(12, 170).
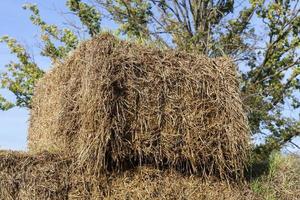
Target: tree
point(19, 77)
point(268, 60)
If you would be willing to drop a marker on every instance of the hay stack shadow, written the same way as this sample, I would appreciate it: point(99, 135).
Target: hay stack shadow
point(114, 106)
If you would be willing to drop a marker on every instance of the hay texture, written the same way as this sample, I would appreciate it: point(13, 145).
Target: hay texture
point(116, 104)
point(148, 183)
point(33, 177)
point(52, 177)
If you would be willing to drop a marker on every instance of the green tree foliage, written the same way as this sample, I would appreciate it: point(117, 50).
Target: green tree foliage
point(19, 77)
point(88, 15)
point(56, 42)
point(268, 59)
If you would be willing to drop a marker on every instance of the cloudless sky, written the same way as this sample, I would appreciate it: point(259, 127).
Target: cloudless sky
point(14, 21)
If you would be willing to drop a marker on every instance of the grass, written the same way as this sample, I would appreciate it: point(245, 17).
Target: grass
point(281, 179)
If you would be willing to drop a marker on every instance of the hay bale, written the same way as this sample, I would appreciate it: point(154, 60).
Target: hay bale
point(46, 120)
point(28, 177)
point(149, 183)
point(52, 177)
point(116, 104)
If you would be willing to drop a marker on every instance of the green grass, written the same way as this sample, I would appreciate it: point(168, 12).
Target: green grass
point(281, 180)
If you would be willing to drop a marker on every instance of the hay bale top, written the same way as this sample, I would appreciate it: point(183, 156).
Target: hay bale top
point(46, 176)
point(116, 105)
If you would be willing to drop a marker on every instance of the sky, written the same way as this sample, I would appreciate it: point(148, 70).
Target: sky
point(14, 21)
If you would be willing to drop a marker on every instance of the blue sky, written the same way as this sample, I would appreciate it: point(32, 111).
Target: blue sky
point(14, 21)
